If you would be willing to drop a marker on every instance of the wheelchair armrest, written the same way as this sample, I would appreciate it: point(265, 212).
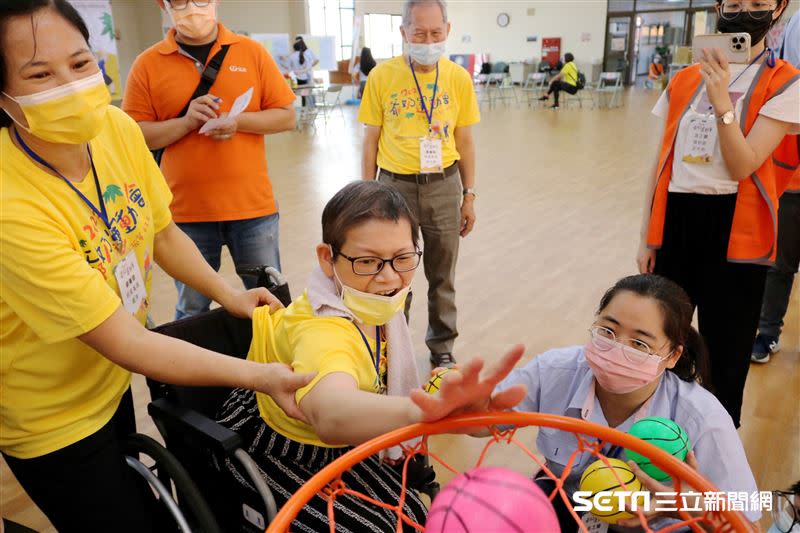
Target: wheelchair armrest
point(196, 425)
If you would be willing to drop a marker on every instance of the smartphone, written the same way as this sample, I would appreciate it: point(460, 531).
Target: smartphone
point(735, 46)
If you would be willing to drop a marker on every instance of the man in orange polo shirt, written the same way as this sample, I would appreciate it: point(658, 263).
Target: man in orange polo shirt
point(222, 193)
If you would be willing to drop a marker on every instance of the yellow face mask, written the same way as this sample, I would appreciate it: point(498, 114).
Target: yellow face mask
point(73, 113)
point(372, 309)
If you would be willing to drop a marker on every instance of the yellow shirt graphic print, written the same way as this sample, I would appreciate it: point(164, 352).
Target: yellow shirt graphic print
point(126, 208)
point(393, 102)
point(57, 263)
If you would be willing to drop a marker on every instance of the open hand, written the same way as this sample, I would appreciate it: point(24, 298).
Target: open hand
point(469, 390)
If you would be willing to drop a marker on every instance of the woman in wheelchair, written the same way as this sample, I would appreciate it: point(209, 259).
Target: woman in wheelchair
point(349, 328)
point(85, 212)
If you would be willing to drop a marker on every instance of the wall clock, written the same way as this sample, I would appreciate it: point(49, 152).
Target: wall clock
point(503, 19)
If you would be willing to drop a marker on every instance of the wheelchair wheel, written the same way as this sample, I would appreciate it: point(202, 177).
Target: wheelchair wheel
point(174, 476)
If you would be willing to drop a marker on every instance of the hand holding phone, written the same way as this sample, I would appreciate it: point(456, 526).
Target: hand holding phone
point(716, 74)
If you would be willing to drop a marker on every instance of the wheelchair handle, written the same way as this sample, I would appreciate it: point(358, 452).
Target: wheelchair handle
point(268, 277)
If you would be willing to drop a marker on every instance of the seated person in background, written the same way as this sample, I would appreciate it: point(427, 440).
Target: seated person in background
point(565, 80)
point(348, 326)
point(643, 358)
point(655, 73)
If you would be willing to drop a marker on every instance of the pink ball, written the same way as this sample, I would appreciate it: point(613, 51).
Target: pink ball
point(491, 499)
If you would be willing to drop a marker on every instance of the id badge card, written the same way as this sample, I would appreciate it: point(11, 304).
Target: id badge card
point(594, 524)
point(430, 155)
point(130, 282)
point(701, 140)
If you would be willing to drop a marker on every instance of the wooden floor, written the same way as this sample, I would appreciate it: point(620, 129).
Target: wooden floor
point(559, 205)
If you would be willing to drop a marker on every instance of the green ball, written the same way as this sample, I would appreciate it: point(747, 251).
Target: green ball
point(663, 433)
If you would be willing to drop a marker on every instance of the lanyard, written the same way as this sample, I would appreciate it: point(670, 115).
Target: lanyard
point(428, 115)
point(614, 451)
point(748, 66)
point(377, 356)
point(101, 213)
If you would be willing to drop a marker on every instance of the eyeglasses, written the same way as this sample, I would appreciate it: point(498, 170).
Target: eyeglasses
point(635, 351)
point(180, 5)
point(369, 265)
point(784, 511)
point(756, 10)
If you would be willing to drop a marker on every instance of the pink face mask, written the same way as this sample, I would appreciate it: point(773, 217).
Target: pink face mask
point(619, 373)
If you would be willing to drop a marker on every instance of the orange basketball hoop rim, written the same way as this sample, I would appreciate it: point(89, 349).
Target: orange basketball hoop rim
point(681, 473)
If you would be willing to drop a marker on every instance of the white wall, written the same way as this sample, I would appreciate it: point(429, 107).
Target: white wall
point(139, 26)
point(477, 19)
point(567, 20)
point(261, 16)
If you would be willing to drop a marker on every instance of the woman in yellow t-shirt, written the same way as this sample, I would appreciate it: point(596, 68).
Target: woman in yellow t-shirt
point(348, 327)
point(566, 80)
point(84, 216)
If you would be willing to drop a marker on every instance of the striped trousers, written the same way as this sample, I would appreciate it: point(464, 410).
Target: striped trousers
point(287, 465)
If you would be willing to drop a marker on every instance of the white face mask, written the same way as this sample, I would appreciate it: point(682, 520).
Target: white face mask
point(782, 523)
point(426, 54)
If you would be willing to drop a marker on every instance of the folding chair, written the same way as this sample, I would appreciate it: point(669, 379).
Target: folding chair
point(583, 95)
point(535, 87)
point(500, 85)
point(307, 114)
point(482, 91)
point(609, 87)
point(327, 106)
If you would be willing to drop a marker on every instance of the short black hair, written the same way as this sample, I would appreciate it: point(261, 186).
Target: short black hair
point(18, 8)
point(569, 57)
point(358, 202)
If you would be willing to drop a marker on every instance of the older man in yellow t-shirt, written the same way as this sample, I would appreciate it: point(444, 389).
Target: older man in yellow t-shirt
point(418, 110)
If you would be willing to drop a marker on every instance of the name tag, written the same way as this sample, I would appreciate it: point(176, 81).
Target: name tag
point(701, 140)
point(594, 524)
point(130, 282)
point(430, 155)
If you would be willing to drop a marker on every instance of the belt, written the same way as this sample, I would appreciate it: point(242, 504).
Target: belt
point(423, 179)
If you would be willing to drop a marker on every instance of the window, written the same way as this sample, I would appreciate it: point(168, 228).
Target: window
point(333, 17)
point(620, 5)
point(382, 35)
point(646, 5)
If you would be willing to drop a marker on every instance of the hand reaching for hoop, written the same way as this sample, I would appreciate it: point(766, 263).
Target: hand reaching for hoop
point(470, 390)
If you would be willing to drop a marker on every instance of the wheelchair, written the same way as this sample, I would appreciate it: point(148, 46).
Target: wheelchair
point(184, 416)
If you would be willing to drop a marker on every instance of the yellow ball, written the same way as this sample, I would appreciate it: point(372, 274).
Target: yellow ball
point(599, 477)
point(433, 384)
